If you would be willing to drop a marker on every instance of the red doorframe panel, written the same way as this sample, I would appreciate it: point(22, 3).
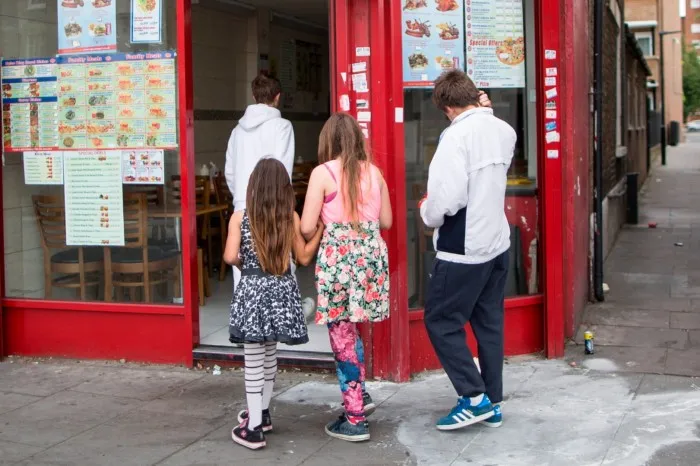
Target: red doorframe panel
point(550, 174)
point(189, 337)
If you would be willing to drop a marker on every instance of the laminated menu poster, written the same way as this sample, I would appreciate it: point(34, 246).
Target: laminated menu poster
point(87, 26)
point(43, 167)
point(93, 198)
point(495, 43)
point(142, 166)
point(146, 21)
point(29, 104)
point(433, 39)
point(117, 101)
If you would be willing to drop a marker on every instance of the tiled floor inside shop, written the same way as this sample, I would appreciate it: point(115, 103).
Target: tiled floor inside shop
point(214, 316)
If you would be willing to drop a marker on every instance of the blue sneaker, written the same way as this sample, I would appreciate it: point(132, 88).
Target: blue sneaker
point(464, 414)
point(343, 429)
point(497, 419)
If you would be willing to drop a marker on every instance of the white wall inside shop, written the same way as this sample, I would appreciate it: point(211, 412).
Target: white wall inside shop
point(227, 44)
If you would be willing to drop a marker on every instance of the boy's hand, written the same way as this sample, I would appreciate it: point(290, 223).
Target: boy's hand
point(484, 100)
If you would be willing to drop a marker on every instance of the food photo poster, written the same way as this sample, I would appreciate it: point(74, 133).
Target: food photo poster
point(485, 38)
point(86, 26)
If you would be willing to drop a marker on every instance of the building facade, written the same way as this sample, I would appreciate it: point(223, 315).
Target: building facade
point(125, 276)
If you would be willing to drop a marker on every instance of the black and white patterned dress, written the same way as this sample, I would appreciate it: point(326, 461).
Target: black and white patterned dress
point(265, 307)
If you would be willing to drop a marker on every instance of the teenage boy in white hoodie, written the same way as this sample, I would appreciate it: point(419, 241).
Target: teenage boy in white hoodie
point(260, 133)
point(465, 205)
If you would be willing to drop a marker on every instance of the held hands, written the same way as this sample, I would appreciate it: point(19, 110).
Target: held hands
point(484, 100)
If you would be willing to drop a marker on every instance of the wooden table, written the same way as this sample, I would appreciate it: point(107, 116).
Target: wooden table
point(174, 211)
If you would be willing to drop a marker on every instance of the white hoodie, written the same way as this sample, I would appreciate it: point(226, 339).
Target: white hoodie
point(260, 133)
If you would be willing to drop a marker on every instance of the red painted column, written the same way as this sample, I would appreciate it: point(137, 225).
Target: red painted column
point(187, 171)
point(549, 59)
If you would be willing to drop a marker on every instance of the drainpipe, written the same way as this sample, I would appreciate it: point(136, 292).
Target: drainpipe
point(599, 9)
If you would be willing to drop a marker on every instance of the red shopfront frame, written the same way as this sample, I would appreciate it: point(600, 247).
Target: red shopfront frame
point(395, 348)
point(399, 347)
point(152, 333)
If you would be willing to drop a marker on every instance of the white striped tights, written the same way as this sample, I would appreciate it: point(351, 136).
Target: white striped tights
point(260, 372)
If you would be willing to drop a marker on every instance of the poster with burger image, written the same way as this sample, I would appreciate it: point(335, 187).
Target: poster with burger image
point(431, 45)
point(86, 26)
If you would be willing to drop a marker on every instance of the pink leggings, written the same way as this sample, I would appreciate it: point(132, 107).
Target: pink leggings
point(350, 366)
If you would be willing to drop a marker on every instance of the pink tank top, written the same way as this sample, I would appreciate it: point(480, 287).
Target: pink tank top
point(370, 202)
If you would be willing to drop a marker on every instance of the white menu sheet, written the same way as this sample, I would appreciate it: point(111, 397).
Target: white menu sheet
point(43, 167)
point(93, 198)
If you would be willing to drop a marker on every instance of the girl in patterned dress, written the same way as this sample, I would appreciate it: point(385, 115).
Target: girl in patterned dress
point(350, 195)
point(266, 305)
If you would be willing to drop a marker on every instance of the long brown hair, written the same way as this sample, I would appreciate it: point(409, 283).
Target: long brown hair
point(270, 208)
point(341, 137)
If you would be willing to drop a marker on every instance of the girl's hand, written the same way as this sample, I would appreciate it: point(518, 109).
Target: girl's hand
point(423, 199)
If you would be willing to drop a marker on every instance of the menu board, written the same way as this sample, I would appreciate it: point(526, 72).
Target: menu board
point(146, 21)
point(29, 107)
point(86, 26)
point(43, 167)
point(117, 101)
point(93, 198)
point(433, 39)
point(142, 167)
point(496, 43)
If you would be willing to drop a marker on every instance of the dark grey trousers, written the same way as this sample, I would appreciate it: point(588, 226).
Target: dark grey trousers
point(474, 293)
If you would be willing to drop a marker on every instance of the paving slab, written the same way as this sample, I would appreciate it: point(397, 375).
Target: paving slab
point(290, 444)
point(629, 318)
point(685, 362)
point(636, 336)
point(619, 359)
point(41, 379)
point(59, 417)
point(12, 452)
point(137, 438)
point(135, 383)
point(685, 320)
point(11, 401)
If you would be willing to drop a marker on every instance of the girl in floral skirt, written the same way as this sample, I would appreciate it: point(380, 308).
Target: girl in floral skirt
point(350, 195)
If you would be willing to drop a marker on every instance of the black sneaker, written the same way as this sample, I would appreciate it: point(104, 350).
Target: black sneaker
point(345, 430)
point(253, 439)
point(266, 419)
point(368, 406)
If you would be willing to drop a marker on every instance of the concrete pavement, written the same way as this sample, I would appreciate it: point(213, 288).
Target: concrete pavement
point(94, 413)
point(650, 320)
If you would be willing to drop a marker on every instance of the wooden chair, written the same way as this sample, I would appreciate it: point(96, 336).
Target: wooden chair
point(301, 173)
point(77, 267)
point(138, 265)
point(223, 196)
point(155, 196)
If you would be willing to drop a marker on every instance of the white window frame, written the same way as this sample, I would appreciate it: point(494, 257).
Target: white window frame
point(646, 35)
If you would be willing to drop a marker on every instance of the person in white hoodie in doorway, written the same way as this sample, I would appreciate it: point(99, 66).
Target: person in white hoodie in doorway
point(465, 204)
point(260, 133)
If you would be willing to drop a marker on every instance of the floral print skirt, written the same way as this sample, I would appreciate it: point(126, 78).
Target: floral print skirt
point(352, 274)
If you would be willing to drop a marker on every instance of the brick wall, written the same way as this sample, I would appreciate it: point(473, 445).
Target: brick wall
point(641, 10)
point(610, 39)
point(637, 71)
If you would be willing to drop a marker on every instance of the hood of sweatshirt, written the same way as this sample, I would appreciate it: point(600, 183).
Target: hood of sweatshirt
point(256, 115)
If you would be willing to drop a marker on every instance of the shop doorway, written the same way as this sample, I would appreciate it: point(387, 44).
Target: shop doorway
point(232, 42)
